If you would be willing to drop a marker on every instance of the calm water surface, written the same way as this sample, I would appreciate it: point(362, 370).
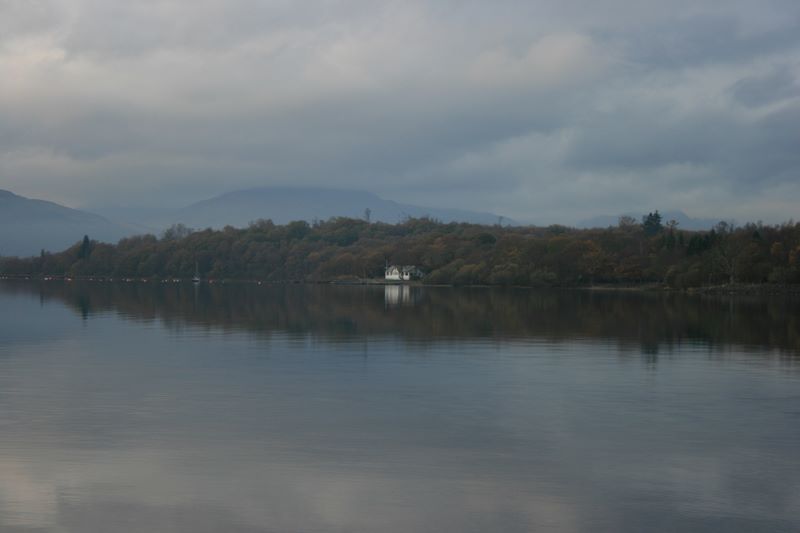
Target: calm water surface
point(172, 408)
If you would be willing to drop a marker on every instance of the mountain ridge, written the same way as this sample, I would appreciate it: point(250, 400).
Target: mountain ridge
point(286, 204)
point(28, 225)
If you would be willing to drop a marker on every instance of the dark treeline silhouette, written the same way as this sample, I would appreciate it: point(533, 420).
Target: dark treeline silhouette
point(461, 254)
point(641, 321)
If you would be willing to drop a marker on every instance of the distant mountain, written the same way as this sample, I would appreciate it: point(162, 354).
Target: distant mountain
point(285, 204)
point(27, 226)
point(684, 221)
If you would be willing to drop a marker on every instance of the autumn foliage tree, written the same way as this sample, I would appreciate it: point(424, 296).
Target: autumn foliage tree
point(461, 254)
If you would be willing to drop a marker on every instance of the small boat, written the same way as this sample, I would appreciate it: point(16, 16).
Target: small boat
point(196, 277)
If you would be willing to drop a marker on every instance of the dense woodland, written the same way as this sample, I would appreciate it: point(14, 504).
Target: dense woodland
point(633, 252)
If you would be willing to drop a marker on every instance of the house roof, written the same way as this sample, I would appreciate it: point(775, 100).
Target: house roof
point(403, 268)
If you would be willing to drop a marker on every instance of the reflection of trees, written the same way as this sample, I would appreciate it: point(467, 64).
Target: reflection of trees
point(642, 321)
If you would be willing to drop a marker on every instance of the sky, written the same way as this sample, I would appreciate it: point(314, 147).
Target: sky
point(547, 112)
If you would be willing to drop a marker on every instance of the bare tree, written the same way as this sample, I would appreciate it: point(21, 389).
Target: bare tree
point(176, 232)
point(627, 222)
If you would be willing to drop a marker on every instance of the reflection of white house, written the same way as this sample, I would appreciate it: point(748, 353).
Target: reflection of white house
point(397, 295)
point(403, 273)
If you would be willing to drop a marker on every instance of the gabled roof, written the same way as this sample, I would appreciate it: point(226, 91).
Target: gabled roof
point(403, 268)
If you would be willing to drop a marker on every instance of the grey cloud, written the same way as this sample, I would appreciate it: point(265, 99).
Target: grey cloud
point(113, 102)
point(756, 91)
point(741, 151)
point(135, 28)
point(773, 156)
point(636, 138)
point(709, 40)
point(25, 17)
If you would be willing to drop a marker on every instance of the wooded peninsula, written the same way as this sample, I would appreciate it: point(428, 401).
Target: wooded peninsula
point(345, 249)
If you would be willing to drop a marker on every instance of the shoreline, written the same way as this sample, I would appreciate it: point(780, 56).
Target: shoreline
point(727, 289)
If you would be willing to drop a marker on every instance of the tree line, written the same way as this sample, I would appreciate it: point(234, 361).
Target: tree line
point(633, 252)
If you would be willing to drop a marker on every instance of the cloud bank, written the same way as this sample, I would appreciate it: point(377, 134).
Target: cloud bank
point(543, 111)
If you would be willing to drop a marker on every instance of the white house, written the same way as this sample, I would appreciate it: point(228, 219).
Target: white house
point(402, 273)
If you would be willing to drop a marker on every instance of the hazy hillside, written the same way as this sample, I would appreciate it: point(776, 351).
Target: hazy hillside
point(27, 226)
point(285, 204)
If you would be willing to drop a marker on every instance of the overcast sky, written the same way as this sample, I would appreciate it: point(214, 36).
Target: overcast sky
point(542, 111)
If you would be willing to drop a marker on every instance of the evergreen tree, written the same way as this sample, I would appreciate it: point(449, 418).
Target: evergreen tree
point(651, 223)
point(86, 248)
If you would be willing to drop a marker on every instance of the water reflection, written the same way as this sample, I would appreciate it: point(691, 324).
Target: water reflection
point(132, 408)
point(400, 295)
point(643, 322)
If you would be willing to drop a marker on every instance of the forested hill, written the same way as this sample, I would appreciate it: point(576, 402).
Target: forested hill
point(344, 248)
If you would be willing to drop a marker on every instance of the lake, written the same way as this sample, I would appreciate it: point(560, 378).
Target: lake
point(147, 407)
